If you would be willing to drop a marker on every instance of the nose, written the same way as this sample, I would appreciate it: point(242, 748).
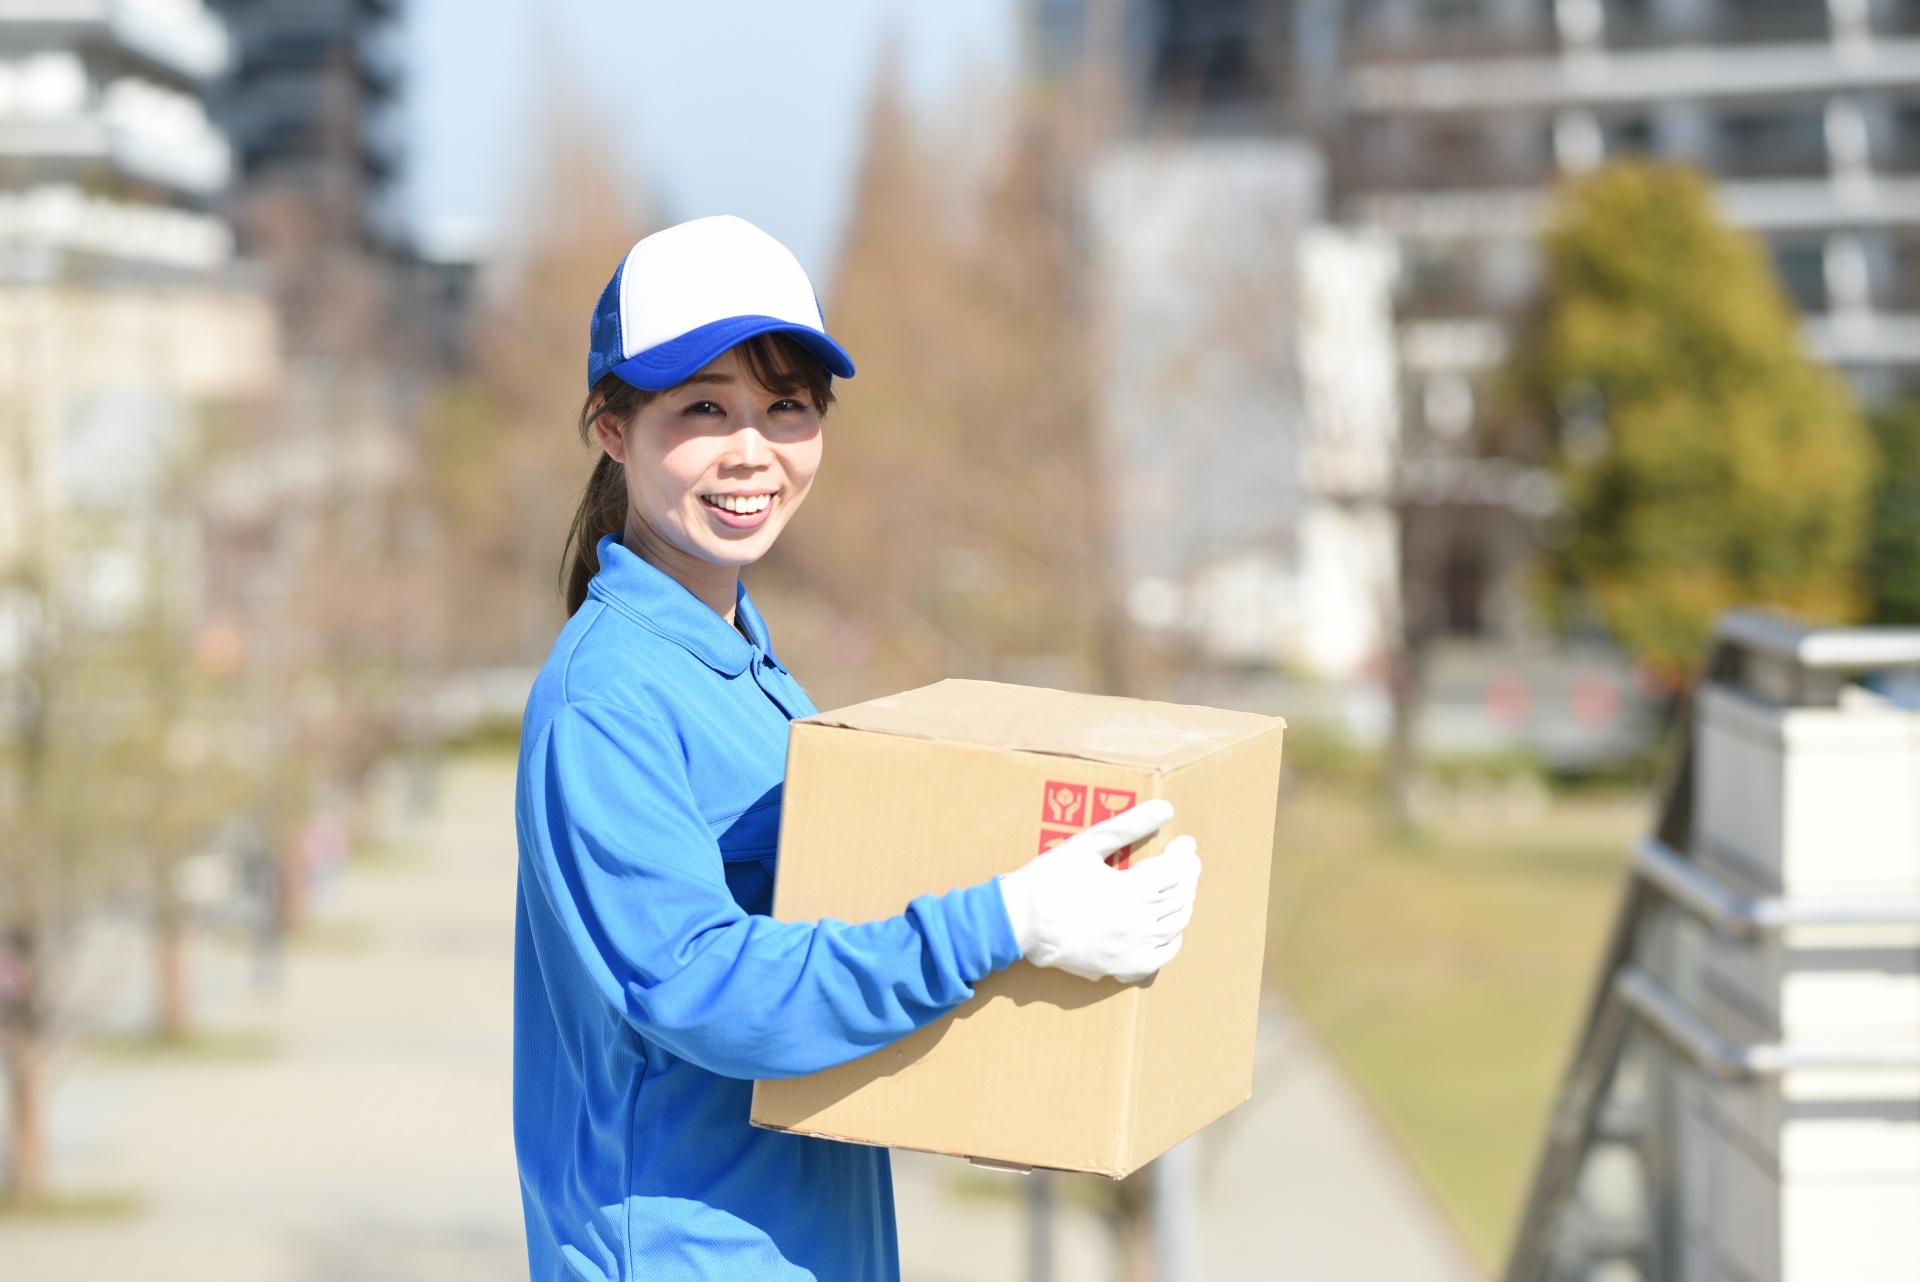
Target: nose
point(750, 448)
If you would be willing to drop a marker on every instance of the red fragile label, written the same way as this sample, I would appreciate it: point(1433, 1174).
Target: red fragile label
point(1064, 805)
point(1108, 802)
point(1051, 837)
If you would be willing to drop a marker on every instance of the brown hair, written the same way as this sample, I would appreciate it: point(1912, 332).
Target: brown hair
point(776, 362)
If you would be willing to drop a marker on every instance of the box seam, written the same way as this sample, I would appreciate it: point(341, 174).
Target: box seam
point(821, 720)
point(989, 747)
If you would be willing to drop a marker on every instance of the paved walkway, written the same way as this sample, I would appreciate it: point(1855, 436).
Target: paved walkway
point(1296, 1186)
point(371, 1142)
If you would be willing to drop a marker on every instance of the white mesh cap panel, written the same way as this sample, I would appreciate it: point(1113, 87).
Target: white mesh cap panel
point(707, 270)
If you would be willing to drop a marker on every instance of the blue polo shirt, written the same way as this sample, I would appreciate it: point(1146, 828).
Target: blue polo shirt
point(651, 987)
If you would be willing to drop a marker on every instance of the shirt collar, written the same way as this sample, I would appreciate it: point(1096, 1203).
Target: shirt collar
point(751, 623)
point(663, 606)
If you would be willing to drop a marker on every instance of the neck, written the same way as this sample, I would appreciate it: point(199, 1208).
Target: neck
point(717, 586)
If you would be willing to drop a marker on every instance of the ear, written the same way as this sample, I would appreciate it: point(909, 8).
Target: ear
point(611, 434)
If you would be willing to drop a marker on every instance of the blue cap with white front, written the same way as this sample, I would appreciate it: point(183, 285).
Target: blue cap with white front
point(685, 295)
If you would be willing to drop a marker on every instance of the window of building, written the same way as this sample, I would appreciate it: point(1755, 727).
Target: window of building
point(1801, 266)
point(1782, 142)
point(1220, 52)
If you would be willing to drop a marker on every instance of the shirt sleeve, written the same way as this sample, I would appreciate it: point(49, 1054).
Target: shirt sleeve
point(631, 870)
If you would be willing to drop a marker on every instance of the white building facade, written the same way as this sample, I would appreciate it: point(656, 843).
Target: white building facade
point(122, 311)
point(1247, 406)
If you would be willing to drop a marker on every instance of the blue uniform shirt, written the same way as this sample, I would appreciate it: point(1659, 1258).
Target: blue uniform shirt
point(650, 985)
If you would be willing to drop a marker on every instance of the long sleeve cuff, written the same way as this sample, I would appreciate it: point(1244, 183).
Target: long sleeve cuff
point(968, 931)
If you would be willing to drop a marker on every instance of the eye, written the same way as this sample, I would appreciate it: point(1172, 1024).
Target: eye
point(704, 408)
point(788, 405)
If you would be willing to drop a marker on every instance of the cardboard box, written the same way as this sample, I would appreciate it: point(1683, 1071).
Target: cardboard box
point(949, 785)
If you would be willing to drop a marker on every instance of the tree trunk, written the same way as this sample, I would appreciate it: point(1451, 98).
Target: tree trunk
point(1130, 1216)
point(290, 905)
point(1403, 687)
point(1136, 1243)
point(171, 1002)
point(27, 1175)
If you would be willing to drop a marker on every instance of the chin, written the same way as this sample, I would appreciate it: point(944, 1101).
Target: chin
point(740, 554)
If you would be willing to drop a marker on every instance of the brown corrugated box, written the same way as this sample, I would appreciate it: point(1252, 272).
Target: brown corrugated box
point(949, 785)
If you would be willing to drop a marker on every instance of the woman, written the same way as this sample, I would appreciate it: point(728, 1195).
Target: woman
point(651, 986)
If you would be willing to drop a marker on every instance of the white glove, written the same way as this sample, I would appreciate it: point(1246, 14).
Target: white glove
point(1070, 910)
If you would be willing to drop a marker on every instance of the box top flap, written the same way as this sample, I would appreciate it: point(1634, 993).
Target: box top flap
point(1127, 732)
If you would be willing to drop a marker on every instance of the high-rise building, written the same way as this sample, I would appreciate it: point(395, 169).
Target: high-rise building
point(123, 313)
point(1807, 113)
point(107, 156)
point(311, 107)
point(1206, 66)
point(312, 102)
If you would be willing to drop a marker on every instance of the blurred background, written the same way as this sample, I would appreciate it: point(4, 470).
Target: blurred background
point(1430, 372)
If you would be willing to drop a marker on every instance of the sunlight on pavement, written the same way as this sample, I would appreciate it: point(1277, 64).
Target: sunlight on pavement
point(352, 1124)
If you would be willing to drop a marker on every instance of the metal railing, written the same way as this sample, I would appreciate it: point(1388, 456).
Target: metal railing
point(1690, 886)
point(1724, 1057)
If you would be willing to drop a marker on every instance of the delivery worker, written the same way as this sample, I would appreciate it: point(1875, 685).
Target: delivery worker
point(651, 987)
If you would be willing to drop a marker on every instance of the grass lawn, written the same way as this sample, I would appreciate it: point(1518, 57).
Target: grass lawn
point(1448, 973)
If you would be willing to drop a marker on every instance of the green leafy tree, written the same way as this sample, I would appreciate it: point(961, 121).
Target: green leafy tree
point(1893, 555)
point(1707, 461)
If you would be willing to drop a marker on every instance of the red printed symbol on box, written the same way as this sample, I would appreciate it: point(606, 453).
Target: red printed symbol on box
point(1108, 802)
point(1067, 805)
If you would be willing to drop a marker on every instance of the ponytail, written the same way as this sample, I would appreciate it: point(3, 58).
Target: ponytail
point(775, 361)
point(603, 511)
point(603, 508)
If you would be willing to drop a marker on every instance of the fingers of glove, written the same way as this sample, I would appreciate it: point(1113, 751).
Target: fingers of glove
point(1176, 903)
point(1175, 915)
point(1166, 952)
point(1174, 870)
point(1123, 829)
point(1189, 882)
point(1149, 921)
point(1155, 876)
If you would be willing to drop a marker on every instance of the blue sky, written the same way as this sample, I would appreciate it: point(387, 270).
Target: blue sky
point(750, 107)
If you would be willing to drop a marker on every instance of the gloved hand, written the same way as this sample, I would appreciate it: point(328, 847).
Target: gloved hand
point(1070, 910)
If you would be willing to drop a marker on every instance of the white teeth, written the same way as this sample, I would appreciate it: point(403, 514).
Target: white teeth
point(741, 504)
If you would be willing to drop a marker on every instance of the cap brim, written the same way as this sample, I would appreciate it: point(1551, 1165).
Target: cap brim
point(674, 362)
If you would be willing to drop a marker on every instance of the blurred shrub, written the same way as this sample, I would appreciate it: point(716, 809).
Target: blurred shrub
point(1322, 753)
point(1707, 461)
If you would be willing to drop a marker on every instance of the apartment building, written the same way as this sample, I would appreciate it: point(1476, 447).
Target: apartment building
point(107, 154)
point(1807, 112)
point(312, 105)
point(123, 310)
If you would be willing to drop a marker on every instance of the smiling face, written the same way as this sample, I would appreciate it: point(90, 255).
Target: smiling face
point(715, 469)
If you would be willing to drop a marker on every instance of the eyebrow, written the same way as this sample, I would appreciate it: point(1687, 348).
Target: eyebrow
point(708, 378)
